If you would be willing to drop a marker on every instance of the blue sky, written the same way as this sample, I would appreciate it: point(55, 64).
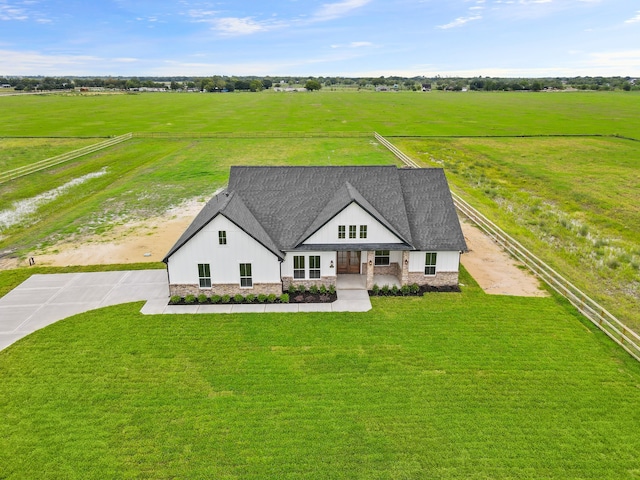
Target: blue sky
point(510, 38)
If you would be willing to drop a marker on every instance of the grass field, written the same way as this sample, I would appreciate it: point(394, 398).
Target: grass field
point(145, 177)
point(573, 201)
point(447, 386)
point(407, 113)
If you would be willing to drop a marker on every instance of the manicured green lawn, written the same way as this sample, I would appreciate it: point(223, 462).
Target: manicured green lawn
point(572, 201)
point(445, 386)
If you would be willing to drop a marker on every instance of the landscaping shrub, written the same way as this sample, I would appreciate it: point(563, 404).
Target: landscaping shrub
point(202, 298)
point(415, 288)
point(332, 289)
point(271, 298)
point(313, 289)
point(225, 299)
point(262, 298)
point(292, 289)
point(384, 290)
point(375, 289)
point(323, 290)
point(284, 298)
point(301, 289)
point(394, 290)
point(238, 298)
point(189, 299)
point(175, 299)
point(215, 298)
point(250, 298)
point(405, 290)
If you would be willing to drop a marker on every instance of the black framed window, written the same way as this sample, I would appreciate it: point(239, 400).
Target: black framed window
point(204, 275)
point(314, 266)
point(341, 231)
point(382, 257)
point(352, 231)
point(430, 263)
point(298, 266)
point(246, 279)
point(222, 237)
point(363, 231)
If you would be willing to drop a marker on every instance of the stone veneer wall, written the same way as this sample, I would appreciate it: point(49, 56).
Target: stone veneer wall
point(226, 289)
point(391, 269)
point(440, 279)
point(326, 281)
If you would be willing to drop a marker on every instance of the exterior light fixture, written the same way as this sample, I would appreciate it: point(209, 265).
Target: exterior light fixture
point(331, 266)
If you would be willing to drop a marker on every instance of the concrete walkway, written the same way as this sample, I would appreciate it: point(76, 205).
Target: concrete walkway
point(45, 299)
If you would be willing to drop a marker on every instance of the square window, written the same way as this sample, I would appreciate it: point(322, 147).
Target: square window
point(430, 263)
point(204, 275)
point(363, 231)
point(314, 266)
point(352, 231)
point(245, 275)
point(298, 266)
point(382, 257)
point(341, 231)
point(222, 237)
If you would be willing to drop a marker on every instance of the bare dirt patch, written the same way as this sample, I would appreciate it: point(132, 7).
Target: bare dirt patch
point(494, 270)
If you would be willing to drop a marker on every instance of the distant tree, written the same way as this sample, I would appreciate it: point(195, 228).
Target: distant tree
point(242, 85)
point(255, 85)
point(267, 84)
point(313, 85)
point(536, 86)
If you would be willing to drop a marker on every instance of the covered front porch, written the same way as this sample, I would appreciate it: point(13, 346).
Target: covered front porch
point(372, 267)
point(354, 281)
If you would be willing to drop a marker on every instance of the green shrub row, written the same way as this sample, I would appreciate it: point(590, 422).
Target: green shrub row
point(314, 289)
point(385, 290)
point(215, 299)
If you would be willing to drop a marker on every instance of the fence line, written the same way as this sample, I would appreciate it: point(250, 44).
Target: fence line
point(251, 134)
point(596, 313)
point(65, 157)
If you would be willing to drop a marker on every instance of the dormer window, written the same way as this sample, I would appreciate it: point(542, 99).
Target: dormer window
point(352, 231)
point(222, 237)
point(363, 231)
point(341, 231)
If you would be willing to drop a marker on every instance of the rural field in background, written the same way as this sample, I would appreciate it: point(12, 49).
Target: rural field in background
point(445, 386)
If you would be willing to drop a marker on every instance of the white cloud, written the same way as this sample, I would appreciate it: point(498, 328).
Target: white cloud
point(239, 26)
point(330, 11)
point(634, 19)
point(624, 61)
point(460, 21)
point(10, 12)
point(353, 45)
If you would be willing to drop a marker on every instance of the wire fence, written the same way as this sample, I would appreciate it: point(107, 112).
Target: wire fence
point(57, 160)
point(596, 313)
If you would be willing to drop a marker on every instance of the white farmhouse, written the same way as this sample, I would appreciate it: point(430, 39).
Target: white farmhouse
point(274, 226)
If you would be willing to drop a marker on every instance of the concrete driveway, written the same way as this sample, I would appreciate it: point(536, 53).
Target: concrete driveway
point(44, 299)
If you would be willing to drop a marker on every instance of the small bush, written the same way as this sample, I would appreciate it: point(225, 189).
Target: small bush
point(215, 298)
point(301, 288)
point(332, 289)
point(225, 299)
point(323, 290)
point(189, 299)
point(405, 289)
point(394, 290)
point(175, 299)
point(313, 289)
point(384, 290)
point(238, 298)
point(271, 298)
point(262, 298)
point(284, 298)
point(375, 289)
point(250, 298)
point(292, 289)
point(415, 288)
point(202, 298)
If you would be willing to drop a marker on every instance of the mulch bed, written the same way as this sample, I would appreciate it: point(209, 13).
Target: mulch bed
point(423, 289)
point(307, 297)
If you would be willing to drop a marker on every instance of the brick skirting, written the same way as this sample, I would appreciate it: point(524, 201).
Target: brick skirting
point(226, 289)
point(326, 281)
point(440, 279)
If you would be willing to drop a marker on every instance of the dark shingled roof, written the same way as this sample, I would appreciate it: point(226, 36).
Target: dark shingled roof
point(281, 207)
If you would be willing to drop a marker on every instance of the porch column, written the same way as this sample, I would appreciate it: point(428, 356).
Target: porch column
point(371, 256)
point(404, 276)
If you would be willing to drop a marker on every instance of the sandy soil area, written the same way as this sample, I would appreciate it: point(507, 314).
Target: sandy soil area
point(149, 241)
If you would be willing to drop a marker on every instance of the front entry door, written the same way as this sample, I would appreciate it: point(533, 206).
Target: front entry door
point(348, 262)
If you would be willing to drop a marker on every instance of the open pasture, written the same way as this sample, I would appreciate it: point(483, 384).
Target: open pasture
point(142, 178)
point(18, 152)
point(447, 386)
point(573, 201)
point(389, 113)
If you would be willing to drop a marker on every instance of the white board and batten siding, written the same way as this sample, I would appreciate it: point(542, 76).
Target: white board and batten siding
point(445, 261)
point(325, 263)
point(224, 260)
point(352, 215)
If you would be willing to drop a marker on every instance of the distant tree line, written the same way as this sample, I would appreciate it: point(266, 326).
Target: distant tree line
point(217, 83)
